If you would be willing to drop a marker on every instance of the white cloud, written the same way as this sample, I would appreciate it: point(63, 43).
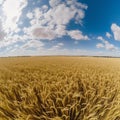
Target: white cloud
point(43, 52)
point(73, 2)
point(108, 35)
point(110, 46)
point(44, 8)
point(29, 15)
point(43, 33)
point(100, 45)
point(2, 33)
point(51, 23)
point(56, 47)
point(54, 3)
point(1, 1)
point(17, 30)
point(33, 44)
point(6, 43)
point(11, 40)
point(116, 31)
point(56, 16)
point(46, 22)
point(60, 44)
point(106, 44)
point(37, 13)
point(77, 35)
point(12, 10)
point(100, 38)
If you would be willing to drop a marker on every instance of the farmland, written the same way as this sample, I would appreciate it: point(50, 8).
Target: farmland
point(59, 88)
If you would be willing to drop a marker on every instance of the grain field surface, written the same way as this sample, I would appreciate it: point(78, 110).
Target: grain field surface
point(59, 88)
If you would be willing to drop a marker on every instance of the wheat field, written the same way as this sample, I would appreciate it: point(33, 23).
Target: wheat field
point(59, 88)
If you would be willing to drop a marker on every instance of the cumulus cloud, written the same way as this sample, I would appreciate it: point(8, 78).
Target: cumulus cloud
point(105, 44)
point(77, 35)
point(43, 33)
point(108, 35)
point(2, 33)
point(73, 2)
point(116, 31)
point(11, 40)
point(12, 13)
point(47, 22)
point(52, 22)
point(60, 44)
point(60, 17)
point(54, 3)
point(57, 46)
point(100, 45)
point(30, 15)
point(33, 44)
point(1, 1)
point(100, 38)
point(7, 43)
point(42, 51)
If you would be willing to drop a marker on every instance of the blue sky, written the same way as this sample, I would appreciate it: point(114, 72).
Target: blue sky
point(59, 27)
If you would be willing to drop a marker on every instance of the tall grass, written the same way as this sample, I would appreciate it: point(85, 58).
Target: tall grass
point(59, 88)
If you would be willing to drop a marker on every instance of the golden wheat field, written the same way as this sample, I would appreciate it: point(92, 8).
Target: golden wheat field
point(59, 88)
